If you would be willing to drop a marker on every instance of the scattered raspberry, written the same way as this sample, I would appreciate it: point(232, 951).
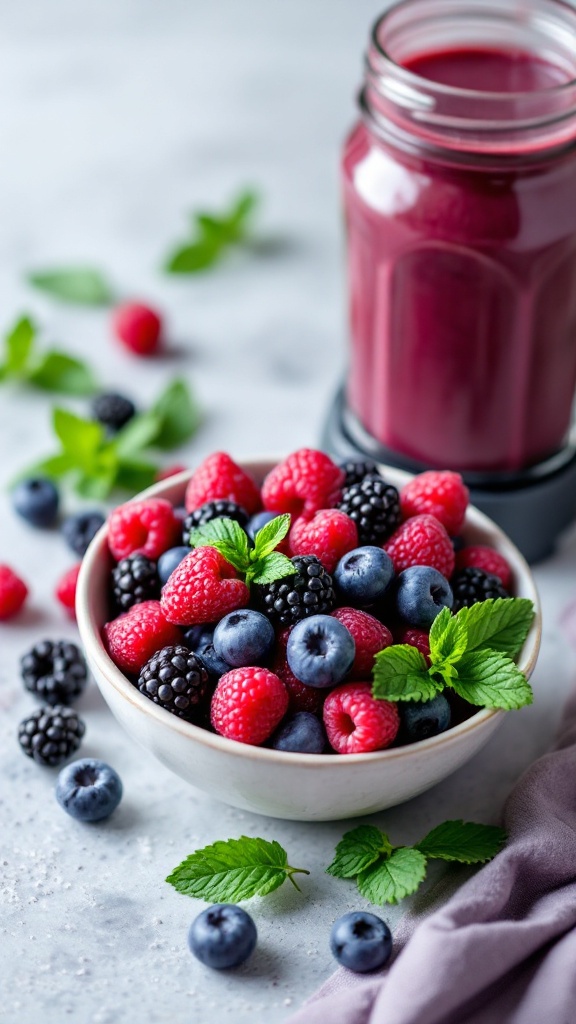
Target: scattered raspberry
point(248, 704)
point(134, 637)
point(66, 590)
point(370, 636)
point(442, 494)
point(13, 593)
point(303, 483)
point(356, 722)
point(478, 556)
point(203, 588)
point(301, 697)
point(220, 477)
point(421, 540)
point(148, 526)
point(416, 638)
point(329, 535)
point(138, 327)
point(168, 471)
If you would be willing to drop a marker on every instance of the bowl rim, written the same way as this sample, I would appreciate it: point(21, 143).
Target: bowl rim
point(90, 634)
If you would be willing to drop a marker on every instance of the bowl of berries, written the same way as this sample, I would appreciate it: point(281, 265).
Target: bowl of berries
point(308, 640)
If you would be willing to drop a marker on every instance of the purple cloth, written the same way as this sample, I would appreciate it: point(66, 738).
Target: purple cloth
point(502, 950)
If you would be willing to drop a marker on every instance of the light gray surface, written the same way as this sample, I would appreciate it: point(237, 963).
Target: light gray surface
point(116, 120)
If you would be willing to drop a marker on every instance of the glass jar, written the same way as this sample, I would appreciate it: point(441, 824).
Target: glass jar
point(460, 203)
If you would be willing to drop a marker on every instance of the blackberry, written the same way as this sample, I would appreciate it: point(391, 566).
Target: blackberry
point(374, 505)
point(135, 579)
point(175, 679)
point(80, 529)
point(54, 671)
point(51, 735)
point(213, 510)
point(309, 592)
point(471, 585)
point(357, 469)
point(112, 410)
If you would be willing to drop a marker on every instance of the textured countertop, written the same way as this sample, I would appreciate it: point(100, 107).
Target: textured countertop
point(117, 119)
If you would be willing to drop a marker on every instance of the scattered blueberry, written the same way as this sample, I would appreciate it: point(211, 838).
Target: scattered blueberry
point(363, 576)
point(320, 651)
point(36, 500)
point(244, 637)
point(425, 719)
point(78, 530)
point(361, 941)
point(421, 594)
point(257, 521)
point(199, 639)
point(112, 410)
point(88, 790)
point(169, 560)
point(222, 936)
point(301, 733)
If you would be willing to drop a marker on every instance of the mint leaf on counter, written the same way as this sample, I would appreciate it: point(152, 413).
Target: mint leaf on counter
point(358, 850)
point(400, 673)
point(236, 869)
point(178, 415)
point(212, 235)
point(463, 841)
point(257, 564)
point(49, 371)
point(390, 880)
point(84, 286)
point(19, 343)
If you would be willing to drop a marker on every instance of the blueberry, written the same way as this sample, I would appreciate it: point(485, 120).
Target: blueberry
point(257, 521)
point(421, 594)
point(302, 733)
point(199, 639)
point(244, 637)
point(80, 529)
point(88, 790)
point(425, 719)
point(363, 576)
point(170, 560)
point(36, 500)
point(320, 651)
point(361, 941)
point(222, 936)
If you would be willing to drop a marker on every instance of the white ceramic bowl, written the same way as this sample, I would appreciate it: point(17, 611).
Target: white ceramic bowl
point(303, 787)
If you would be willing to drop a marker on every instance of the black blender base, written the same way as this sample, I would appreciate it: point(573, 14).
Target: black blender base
point(533, 507)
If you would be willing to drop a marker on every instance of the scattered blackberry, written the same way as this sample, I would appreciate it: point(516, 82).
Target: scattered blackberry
point(51, 735)
point(309, 592)
point(471, 585)
point(54, 671)
point(357, 469)
point(112, 410)
point(213, 510)
point(374, 505)
point(175, 679)
point(135, 579)
point(78, 530)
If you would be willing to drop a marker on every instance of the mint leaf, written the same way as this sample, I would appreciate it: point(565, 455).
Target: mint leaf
point(80, 285)
point(357, 850)
point(56, 371)
point(389, 881)
point(228, 537)
point(212, 236)
point(490, 679)
point(270, 536)
point(178, 415)
point(463, 841)
point(19, 343)
point(80, 438)
point(134, 474)
point(140, 432)
point(192, 258)
point(233, 870)
point(448, 639)
point(499, 624)
point(400, 673)
point(274, 566)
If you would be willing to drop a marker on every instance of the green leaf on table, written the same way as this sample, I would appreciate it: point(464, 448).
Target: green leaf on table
point(56, 371)
point(212, 235)
point(84, 286)
point(390, 880)
point(400, 673)
point(135, 474)
point(464, 841)
point(498, 624)
point(140, 432)
point(490, 679)
point(357, 850)
point(236, 869)
point(19, 343)
point(79, 438)
point(178, 414)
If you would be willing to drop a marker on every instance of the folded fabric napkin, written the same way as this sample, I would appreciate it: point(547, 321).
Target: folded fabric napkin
point(502, 950)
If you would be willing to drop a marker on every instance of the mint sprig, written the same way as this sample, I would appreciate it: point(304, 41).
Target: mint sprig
point(213, 235)
point(52, 370)
point(471, 652)
point(83, 286)
point(386, 874)
point(257, 564)
point(233, 870)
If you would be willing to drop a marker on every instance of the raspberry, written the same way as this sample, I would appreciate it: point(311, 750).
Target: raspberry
point(203, 588)
point(329, 535)
point(356, 722)
point(66, 590)
point(416, 638)
point(138, 327)
point(248, 704)
point(303, 483)
point(301, 697)
point(134, 637)
point(442, 494)
point(220, 477)
point(369, 635)
point(478, 556)
point(149, 526)
point(421, 540)
point(13, 593)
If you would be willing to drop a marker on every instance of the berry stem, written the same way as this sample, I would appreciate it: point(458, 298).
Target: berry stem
point(294, 871)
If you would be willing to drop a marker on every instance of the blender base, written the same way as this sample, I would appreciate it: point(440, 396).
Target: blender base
point(533, 507)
